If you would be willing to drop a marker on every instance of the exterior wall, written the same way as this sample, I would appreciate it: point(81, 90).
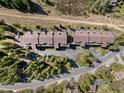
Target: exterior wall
point(94, 38)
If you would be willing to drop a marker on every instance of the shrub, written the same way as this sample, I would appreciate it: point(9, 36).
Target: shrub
point(2, 22)
point(38, 26)
point(69, 7)
point(114, 47)
point(105, 74)
point(17, 25)
point(49, 2)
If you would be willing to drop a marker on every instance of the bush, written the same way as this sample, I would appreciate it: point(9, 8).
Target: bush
point(40, 90)
point(17, 25)
point(28, 54)
point(105, 28)
point(38, 26)
point(2, 32)
point(25, 29)
point(2, 22)
point(49, 2)
point(2, 54)
point(85, 81)
point(114, 47)
point(120, 39)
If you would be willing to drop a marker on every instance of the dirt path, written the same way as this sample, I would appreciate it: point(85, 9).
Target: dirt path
point(53, 18)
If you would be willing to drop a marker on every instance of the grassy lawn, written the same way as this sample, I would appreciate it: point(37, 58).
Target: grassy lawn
point(117, 67)
point(102, 51)
point(80, 59)
point(81, 62)
point(84, 59)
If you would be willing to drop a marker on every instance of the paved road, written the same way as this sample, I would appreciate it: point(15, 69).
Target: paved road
point(71, 53)
point(34, 84)
point(107, 57)
point(96, 54)
point(74, 72)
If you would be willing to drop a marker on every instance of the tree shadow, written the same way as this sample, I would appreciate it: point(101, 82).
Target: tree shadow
point(33, 56)
point(35, 9)
point(73, 63)
point(38, 9)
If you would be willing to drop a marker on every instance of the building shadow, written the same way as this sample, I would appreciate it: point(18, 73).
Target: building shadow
point(70, 39)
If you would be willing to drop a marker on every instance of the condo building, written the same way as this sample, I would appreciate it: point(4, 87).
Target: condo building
point(58, 39)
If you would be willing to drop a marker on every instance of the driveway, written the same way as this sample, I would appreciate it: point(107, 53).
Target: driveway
point(70, 53)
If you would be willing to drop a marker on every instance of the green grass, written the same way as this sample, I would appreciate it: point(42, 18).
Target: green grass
point(80, 60)
point(84, 59)
point(102, 51)
point(82, 63)
point(117, 67)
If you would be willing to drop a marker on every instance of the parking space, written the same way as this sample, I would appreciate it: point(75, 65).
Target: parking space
point(70, 53)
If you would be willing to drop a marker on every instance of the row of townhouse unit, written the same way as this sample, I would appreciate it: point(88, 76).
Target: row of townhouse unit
point(59, 39)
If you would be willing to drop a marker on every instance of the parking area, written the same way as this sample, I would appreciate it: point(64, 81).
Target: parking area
point(70, 53)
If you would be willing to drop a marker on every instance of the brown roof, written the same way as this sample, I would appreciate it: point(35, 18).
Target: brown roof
point(60, 39)
point(81, 37)
point(46, 38)
point(94, 37)
point(29, 38)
